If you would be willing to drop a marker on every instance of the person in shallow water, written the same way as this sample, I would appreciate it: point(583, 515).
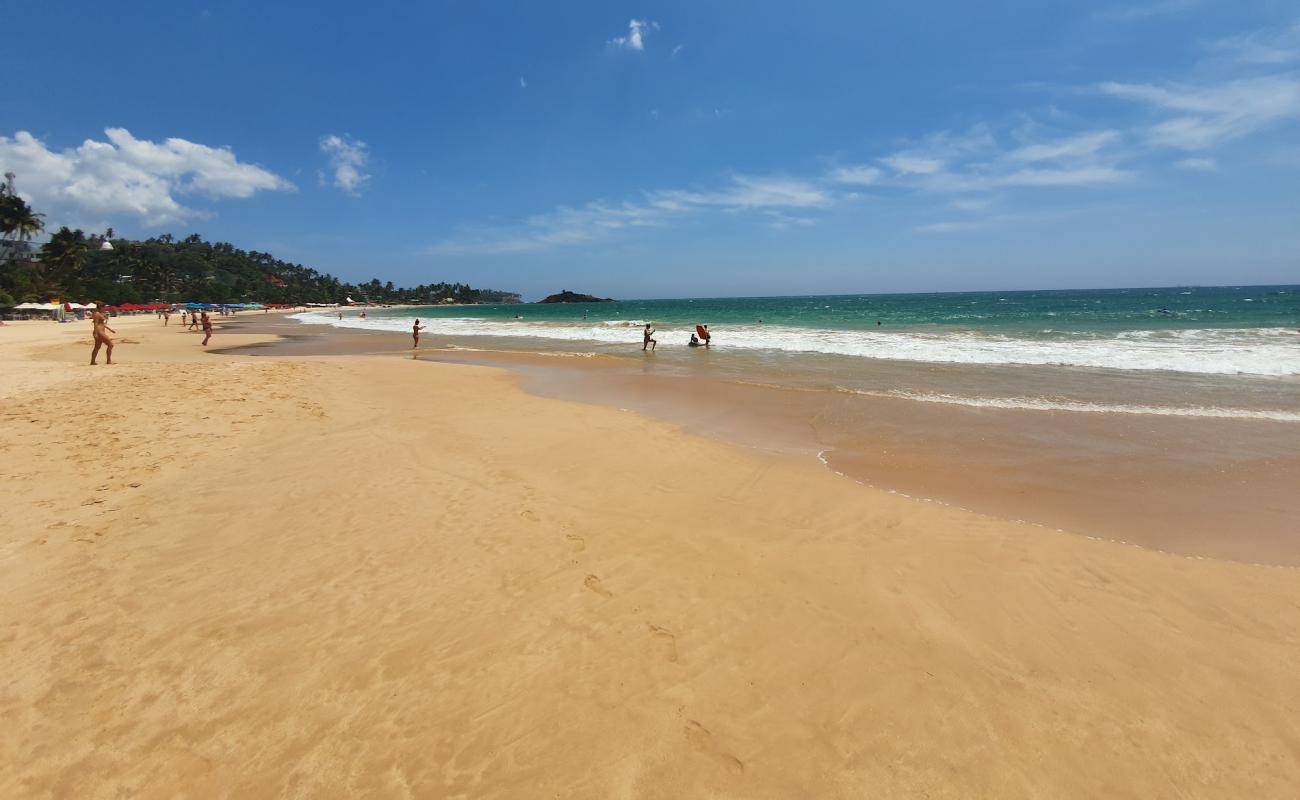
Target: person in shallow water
point(646, 338)
point(694, 342)
point(415, 332)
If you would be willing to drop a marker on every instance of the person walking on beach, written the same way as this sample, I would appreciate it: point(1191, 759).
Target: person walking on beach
point(415, 333)
point(207, 329)
point(194, 319)
point(167, 317)
point(100, 329)
point(647, 340)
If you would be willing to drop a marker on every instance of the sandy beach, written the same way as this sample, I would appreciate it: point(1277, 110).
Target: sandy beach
point(231, 576)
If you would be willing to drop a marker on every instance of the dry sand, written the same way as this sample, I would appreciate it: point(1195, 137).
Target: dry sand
point(227, 576)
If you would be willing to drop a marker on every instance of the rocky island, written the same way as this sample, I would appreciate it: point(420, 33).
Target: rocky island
point(567, 296)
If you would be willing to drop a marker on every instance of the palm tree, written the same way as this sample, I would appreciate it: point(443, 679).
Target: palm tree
point(17, 220)
point(67, 251)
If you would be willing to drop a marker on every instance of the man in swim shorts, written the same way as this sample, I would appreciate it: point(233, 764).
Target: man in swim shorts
point(646, 338)
point(100, 329)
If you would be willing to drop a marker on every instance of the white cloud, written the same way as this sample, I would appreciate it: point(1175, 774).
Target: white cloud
point(977, 161)
point(596, 221)
point(1078, 176)
point(523, 84)
point(913, 165)
point(1209, 115)
point(347, 158)
point(746, 193)
point(637, 31)
point(1262, 47)
point(129, 176)
point(1080, 146)
point(972, 204)
point(933, 153)
point(1197, 164)
point(854, 175)
point(677, 49)
point(950, 227)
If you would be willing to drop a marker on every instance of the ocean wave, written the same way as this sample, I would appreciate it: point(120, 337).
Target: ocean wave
point(1221, 351)
point(1052, 404)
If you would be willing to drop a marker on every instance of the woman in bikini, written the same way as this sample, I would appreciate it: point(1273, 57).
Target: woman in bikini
point(207, 329)
point(415, 332)
point(101, 330)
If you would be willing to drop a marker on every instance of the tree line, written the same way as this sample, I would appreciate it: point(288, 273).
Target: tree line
point(74, 265)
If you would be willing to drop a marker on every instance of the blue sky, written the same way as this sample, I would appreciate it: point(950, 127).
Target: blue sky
point(662, 149)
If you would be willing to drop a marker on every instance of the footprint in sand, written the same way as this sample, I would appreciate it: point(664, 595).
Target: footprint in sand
point(702, 740)
point(667, 641)
point(528, 514)
point(579, 543)
point(592, 582)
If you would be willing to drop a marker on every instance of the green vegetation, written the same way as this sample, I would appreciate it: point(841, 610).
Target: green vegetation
point(567, 296)
point(74, 266)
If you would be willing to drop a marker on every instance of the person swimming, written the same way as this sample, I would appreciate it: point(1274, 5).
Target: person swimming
point(694, 342)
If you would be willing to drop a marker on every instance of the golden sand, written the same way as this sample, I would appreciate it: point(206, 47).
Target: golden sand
point(249, 577)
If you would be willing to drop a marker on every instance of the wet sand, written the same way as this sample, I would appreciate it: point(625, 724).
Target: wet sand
point(1201, 487)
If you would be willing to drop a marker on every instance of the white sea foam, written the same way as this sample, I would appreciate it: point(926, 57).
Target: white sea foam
point(1048, 404)
point(1222, 351)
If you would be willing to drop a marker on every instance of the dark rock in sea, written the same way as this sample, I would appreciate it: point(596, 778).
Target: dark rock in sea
point(567, 296)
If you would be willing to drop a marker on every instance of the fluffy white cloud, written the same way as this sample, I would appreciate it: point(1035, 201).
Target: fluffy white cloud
point(1197, 164)
point(129, 176)
point(637, 31)
point(347, 160)
point(1209, 115)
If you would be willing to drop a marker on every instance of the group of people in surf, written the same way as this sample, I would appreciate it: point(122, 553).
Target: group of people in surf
point(700, 338)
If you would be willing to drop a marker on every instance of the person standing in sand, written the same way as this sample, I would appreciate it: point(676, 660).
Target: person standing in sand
point(194, 319)
point(646, 338)
point(207, 329)
point(100, 329)
point(415, 333)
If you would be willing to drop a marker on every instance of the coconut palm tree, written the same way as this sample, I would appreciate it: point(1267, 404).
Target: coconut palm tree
point(17, 220)
point(66, 251)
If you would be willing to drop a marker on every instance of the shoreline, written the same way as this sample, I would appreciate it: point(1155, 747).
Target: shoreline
point(1216, 488)
point(342, 575)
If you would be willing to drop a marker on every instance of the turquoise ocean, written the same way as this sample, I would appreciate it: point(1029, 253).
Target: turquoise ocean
point(1187, 351)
